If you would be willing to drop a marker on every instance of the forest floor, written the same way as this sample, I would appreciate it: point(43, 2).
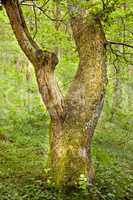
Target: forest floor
point(24, 148)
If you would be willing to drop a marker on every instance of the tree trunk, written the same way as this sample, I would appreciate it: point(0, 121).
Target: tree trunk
point(74, 119)
point(83, 103)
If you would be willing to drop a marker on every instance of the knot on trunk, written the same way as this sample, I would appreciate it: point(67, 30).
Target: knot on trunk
point(46, 58)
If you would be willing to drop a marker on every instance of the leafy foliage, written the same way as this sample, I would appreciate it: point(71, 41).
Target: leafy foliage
point(24, 120)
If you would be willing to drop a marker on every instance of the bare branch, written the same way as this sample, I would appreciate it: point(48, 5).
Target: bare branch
point(119, 55)
point(20, 29)
point(119, 43)
point(35, 16)
point(45, 3)
point(44, 11)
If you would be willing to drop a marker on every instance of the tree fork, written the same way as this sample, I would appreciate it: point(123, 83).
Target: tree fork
point(72, 121)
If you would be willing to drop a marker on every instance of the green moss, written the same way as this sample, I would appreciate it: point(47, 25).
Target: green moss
point(72, 163)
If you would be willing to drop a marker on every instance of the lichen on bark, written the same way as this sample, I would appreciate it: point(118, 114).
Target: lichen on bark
point(74, 119)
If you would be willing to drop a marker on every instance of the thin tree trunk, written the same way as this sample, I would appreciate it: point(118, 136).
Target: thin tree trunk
point(44, 63)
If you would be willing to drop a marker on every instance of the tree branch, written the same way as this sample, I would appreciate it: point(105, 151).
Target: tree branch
point(35, 16)
point(44, 62)
point(27, 44)
point(119, 43)
point(119, 55)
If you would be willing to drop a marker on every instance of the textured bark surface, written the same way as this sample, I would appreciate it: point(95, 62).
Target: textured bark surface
point(72, 121)
point(44, 63)
point(84, 101)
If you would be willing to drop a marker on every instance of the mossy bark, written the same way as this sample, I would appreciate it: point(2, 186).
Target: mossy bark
point(83, 104)
point(74, 118)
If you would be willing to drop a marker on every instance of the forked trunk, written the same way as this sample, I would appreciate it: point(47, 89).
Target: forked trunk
point(73, 120)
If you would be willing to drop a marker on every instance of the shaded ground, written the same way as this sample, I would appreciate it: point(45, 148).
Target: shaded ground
point(24, 148)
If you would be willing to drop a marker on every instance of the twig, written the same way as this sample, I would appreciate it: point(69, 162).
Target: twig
point(119, 43)
point(35, 15)
point(44, 12)
point(45, 3)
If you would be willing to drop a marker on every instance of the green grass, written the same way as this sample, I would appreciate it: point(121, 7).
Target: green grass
point(23, 161)
point(23, 157)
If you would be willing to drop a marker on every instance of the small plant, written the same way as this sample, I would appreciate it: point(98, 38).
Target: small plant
point(82, 182)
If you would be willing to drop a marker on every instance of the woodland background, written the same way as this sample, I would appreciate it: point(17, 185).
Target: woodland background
point(24, 120)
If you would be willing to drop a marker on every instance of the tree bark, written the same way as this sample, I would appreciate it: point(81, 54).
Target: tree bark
point(74, 119)
point(83, 103)
point(44, 63)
